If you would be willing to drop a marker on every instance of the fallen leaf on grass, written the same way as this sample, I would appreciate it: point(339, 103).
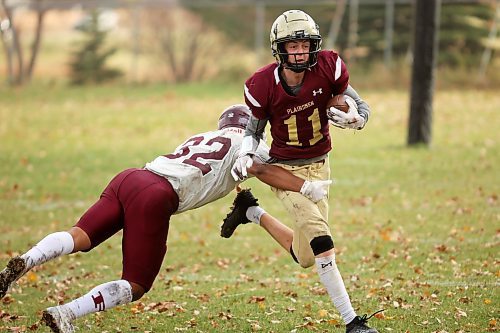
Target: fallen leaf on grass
point(32, 277)
point(201, 297)
point(225, 316)
point(322, 313)
point(223, 263)
point(7, 300)
point(17, 329)
point(460, 313)
point(256, 299)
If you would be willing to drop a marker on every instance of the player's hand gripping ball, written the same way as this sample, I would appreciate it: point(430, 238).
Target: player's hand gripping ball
point(338, 102)
point(342, 112)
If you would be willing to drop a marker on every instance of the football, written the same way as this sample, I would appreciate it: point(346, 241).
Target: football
point(338, 102)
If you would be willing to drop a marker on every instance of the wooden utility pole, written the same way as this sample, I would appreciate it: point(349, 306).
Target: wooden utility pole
point(425, 52)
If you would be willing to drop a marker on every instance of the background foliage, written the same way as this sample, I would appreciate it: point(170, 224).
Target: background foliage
point(89, 63)
point(218, 42)
point(463, 26)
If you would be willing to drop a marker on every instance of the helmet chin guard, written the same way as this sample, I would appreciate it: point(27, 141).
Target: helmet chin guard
point(294, 25)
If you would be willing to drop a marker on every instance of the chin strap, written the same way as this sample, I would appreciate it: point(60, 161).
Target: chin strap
point(296, 70)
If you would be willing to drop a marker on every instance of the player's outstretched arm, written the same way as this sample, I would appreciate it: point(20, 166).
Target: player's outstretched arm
point(283, 179)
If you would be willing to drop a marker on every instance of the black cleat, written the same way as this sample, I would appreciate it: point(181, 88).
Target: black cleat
point(358, 324)
point(10, 274)
point(237, 215)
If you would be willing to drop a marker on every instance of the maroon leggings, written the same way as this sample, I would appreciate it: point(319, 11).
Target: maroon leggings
point(141, 203)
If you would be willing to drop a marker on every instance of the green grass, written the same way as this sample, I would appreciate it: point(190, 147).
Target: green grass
point(416, 230)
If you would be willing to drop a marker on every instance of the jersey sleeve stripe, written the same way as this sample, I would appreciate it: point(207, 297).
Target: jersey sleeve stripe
point(338, 68)
point(276, 76)
point(251, 98)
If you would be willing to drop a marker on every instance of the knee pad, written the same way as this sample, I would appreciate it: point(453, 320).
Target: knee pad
point(321, 244)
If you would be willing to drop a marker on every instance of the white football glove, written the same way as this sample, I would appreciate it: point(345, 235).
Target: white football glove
point(315, 190)
point(239, 169)
point(351, 119)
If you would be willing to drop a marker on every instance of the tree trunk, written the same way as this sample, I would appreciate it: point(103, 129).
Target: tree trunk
point(260, 15)
point(333, 33)
point(14, 49)
point(486, 57)
point(352, 37)
point(36, 42)
point(424, 63)
point(389, 32)
point(167, 47)
point(190, 59)
point(8, 54)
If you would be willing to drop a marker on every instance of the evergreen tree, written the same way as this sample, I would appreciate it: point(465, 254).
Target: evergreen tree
point(89, 61)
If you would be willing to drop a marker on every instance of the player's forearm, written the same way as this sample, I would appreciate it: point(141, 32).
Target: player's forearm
point(249, 145)
point(363, 107)
point(255, 129)
point(277, 177)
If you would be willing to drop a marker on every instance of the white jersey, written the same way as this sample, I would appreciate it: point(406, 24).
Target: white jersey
point(200, 169)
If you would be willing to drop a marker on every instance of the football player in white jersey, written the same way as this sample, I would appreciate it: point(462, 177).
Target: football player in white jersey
point(140, 201)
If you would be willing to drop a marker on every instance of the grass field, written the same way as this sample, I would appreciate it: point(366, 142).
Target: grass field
point(417, 231)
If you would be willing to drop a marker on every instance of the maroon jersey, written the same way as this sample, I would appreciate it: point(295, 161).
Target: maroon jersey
point(299, 125)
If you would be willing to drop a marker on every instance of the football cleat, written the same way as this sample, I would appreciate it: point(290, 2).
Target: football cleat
point(237, 215)
point(358, 324)
point(58, 320)
point(10, 274)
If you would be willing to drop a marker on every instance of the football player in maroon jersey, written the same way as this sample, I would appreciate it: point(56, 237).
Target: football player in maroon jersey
point(291, 95)
point(140, 202)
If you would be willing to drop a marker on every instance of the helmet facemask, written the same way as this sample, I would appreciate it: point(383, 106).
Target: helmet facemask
point(298, 67)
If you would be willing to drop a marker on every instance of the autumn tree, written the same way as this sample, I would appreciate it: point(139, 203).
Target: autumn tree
point(19, 72)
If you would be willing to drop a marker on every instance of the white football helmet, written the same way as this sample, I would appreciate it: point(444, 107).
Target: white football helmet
point(295, 25)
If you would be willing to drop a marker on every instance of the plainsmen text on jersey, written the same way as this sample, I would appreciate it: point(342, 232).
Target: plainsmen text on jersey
point(199, 169)
point(299, 125)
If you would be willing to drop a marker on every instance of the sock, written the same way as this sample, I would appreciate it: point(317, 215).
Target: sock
point(254, 214)
point(51, 247)
point(103, 297)
point(332, 280)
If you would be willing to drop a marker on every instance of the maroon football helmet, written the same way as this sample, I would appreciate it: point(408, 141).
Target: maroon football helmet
point(234, 116)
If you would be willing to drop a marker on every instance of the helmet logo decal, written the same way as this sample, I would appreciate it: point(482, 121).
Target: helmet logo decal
point(300, 34)
point(319, 92)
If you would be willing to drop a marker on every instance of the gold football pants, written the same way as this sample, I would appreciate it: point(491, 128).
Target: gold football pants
point(310, 219)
